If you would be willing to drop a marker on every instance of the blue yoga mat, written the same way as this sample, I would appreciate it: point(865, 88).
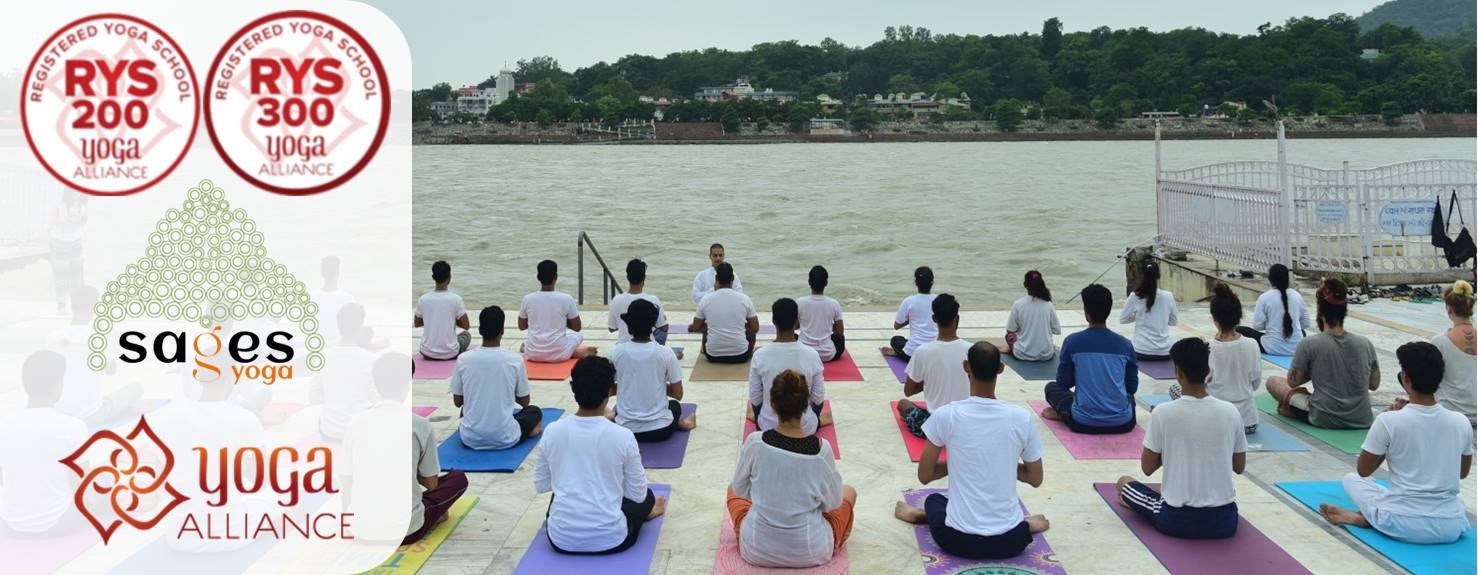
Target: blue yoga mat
point(457, 457)
point(1268, 437)
point(1283, 361)
point(1455, 558)
point(1032, 370)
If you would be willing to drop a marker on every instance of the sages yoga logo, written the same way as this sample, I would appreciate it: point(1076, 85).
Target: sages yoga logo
point(207, 264)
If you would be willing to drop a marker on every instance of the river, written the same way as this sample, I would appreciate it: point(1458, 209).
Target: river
point(981, 214)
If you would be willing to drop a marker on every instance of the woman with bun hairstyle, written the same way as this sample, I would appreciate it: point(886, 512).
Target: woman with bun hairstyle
point(1459, 388)
point(1236, 364)
point(1033, 322)
point(1279, 320)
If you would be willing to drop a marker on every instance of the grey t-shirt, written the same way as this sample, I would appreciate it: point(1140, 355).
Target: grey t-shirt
point(1339, 369)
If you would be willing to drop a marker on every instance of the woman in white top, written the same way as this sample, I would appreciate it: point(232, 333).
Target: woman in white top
point(1279, 320)
point(1236, 365)
point(915, 313)
point(1459, 388)
point(1033, 322)
point(788, 503)
point(1152, 310)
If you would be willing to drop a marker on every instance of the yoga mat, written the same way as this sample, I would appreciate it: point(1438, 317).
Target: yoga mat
point(668, 454)
point(841, 369)
point(541, 558)
point(999, 342)
point(1032, 370)
point(1267, 439)
point(728, 561)
point(409, 559)
point(539, 371)
point(457, 457)
point(1037, 558)
point(1455, 558)
point(911, 442)
point(1283, 361)
point(424, 410)
point(1346, 440)
point(1084, 446)
point(827, 432)
point(895, 363)
point(1249, 551)
point(682, 328)
point(1158, 369)
point(433, 368)
point(705, 370)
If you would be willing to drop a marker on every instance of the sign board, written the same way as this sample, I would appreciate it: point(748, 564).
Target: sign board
point(1408, 218)
point(1331, 213)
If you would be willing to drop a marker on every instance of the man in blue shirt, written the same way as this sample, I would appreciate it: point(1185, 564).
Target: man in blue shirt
point(1100, 364)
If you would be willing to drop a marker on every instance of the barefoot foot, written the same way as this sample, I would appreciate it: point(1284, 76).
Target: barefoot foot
point(908, 513)
point(1037, 523)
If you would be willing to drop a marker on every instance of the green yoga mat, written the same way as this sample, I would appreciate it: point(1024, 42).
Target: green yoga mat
point(1346, 440)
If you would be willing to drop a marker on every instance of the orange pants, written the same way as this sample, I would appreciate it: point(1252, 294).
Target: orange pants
point(839, 518)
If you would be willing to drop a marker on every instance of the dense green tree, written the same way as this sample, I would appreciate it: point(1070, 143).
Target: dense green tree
point(1051, 38)
point(1106, 118)
point(730, 120)
point(610, 109)
point(1008, 115)
point(862, 119)
point(545, 118)
point(440, 92)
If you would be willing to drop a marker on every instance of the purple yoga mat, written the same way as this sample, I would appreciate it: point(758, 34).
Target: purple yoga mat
point(1036, 558)
point(896, 364)
point(1158, 369)
point(541, 557)
point(682, 328)
point(1249, 551)
point(668, 454)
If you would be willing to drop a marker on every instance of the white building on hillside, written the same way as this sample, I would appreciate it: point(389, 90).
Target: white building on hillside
point(477, 101)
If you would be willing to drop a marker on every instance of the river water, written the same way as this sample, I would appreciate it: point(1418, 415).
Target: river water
point(981, 214)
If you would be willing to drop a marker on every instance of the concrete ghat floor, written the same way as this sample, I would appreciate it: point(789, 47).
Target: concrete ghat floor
point(1086, 535)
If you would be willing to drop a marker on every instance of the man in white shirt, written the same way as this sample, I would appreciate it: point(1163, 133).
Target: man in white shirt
point(727, 320)
point(593, 466)
point(992, 445)
point(82, 388)
point(1429, 453)
point(647, 375)
point(344, 385)
point(1199, 441)
point(441, 313)
point(935, 367)
point(636, 278)
point(486, 384)
point(552, 319)
point(914, 313)
point(787, 353)
point(37, 498)
point(706, 281)
point(821, 319)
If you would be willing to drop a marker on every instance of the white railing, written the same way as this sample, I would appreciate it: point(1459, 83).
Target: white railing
point(1374, 223)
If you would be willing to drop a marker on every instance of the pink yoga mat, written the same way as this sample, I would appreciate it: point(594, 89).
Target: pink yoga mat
point(1084, 446)
point(895, 363)
point(913, 443)
point(424, 410)
point(1249, 551)
point(728, 561)
point(433, 368)
point(841, 369)
point(827, 432)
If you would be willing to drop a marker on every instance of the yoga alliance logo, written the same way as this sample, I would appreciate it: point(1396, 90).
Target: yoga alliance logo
point(207, 264)
point(136, 489)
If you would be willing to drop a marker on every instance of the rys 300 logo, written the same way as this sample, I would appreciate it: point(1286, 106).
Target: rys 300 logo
point(207, 264)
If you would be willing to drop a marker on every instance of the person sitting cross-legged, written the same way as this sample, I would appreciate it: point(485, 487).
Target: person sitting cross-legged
point(1097, 376)
point(935, 367)
point(1199, 441)
point(1340, 366)
point(647, 375)
point(552, 319)
point(727, 320)
point(441, 314)
point(1428, 451)
point(487, 382)
point(787, 353)
point(821, 319)
point(992, 445)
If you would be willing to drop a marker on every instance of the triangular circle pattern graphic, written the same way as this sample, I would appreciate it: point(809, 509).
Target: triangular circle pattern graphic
point(206, 263)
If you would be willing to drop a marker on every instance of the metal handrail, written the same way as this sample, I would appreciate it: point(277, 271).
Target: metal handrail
point(609, 287)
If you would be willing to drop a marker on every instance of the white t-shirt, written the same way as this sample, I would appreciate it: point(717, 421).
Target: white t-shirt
point(986, 438)
point(1034, 322)
point(590, 464)
point(819, 315)
point(917, 311)
point(379, 478)
point(790, 492)
point(1267, 317)
point(426, 462)
point(772, 360)
point(1152, 326)
point(38, 488)
point(347, 386)
point(1459, 388)
point(82, 388)
point(726, 312)
point(704, 281)
point(643, 372)
point(439, 312)
point(488, 379)
point(329, 305)
point(621, 303)
point(549, 313)
point(1423, 446)
point(1195, 438)
point(1236, 375)
point(939, 365)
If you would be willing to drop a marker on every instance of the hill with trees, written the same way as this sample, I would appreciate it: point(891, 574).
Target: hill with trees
point(1433, 18)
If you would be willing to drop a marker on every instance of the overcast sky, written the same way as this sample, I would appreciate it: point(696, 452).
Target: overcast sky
point(466, 41)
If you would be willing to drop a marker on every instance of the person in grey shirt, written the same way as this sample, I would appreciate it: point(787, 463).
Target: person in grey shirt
point(1340, 366)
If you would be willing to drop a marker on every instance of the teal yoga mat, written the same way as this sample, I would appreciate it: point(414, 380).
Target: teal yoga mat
point(1455, 558)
